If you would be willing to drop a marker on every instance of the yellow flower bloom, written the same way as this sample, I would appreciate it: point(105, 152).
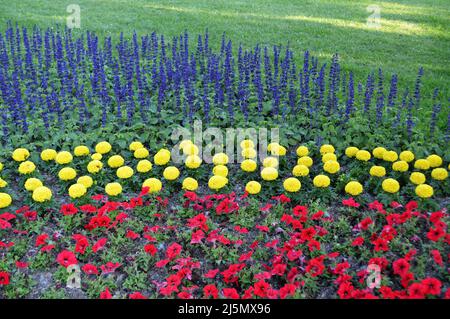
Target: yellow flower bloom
point(292, 184)
point(435, 160)
point(113, 189)
point(144, 166)
point(253, 187)
point(329, 157)
point(439, 174)
point(269, 173)
point(20, 154)
point(378, 152)
point(390, 156)
point(390, 185)
point(124, 172)
point(217, 182)
point(422, 164)
point(326, 148)
point(32, 183)
point(248, 165)
point(191, 149)
point(153, 184)
point(363, 155)
point(247, 144)
point(248, 153)
point(270, 162)
point(81, 151)
point(77, 190)
point(400, 166)
point(48, 155)
point(190, 184)
point(220, 159)
point(302, 151)
point(424, 191)
point(220, 170)
point(116, 161)
point(86, 181)
point(171, 173)
point(63, 158)
point(321, 181)
point(3, 183)
point(407, 156)
point(353, 188)
point(42, 194)
point(272, 146)
point(278, 150)
point(417, 178)
point(377, 171)
point(162, 157)
point(300, 170)
point(193, 161)
point(141, 153)
point(26, 167)
point(1, 167)
point(305, 160)
point(331, 166)
point(103, 147)
point(135, 146)
point(351, 151)
point(5, 200)
point(67, 174)
point(94, 166)
point(97, 157)
point(185, 143)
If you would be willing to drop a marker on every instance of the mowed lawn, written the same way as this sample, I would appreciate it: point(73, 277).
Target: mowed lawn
point(413, 33)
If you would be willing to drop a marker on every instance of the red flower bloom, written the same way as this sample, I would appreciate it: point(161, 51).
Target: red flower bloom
point(350, 202)
point(197, 236)
point(437, 257)
point(365, 223)
point(41, 240)
point(4, 278)
point(230, 293)
point(69, 209)
point(21, 265)
point(137, 295)
point(173, 251)
point(400, 267)
point(346, 290)
point(358, 241)
point(109, 267)
point(432, 286)
point(211, 274)
point(66, 258)
point(99, 244)
point(105, 294)
point(416, 291)
point(210, 291)
point(150, 249)
point(88, 209)
point(435, 234)
point(288, 290)
point(90, 269)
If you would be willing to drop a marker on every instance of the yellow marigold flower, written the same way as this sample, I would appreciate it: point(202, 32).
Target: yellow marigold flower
point(302, 151)
point(253, 187)
point(162, 157)
point(424, 191)
point(191, 149)
point(67, 174)
point(269, 173)
point(390, 156)
point(248, 153)
point(26, 167)
point(331, 166)
point(81, 151)
point(20, 154)
point(3, 183)
point(193, 161)
point(190, 184)
point(400, 166)
point(326, 148)
point(220, 170)
point(116, 161)
point(77, 190)
point(32, 183)
point(351, 151)
point(270, 162)
point(272, 145)
point(153, 184)
point(94, 166)
point(248, 165)
point(329, 157)
point(247, 144)
point(278, 150)
point(63, 158)
point(378, 152)
point(171, 173)
point(97, 157)
point(5, 200)
point(113, 189)
point(407, 156)
point(217, 182)
point(1, 167)
point(417, 178)
point(48, 155)
point(435, 160)
point(85, 180)
point(439, 174)
point(144, 166)
point(353, 188)
point(42, 194)
point(390, 185)
point(185, 143)
point(103, 147)
point(141, 153)
point(220, 159)
point(124, 172)
point(300, 170)
point(363, 155)
point(292, 184)
point(377, 171)
point(135, 146)
point(305, 160)
point(422, 164)
point(321, 181)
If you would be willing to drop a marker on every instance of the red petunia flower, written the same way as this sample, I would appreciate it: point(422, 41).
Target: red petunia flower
point(401, 267)
point(105, 294)
point(432, 286)
point(150, 249)
point(437, 257)
point(66, 258)
point(210, 291)
point(173, 251)
point(4, 278)
point(90, 269)
point(350, 202)
point(230, 293)
point(99, 244)
point(416, 291)
point(68, 209)
point(435, 234)
point(137, 295)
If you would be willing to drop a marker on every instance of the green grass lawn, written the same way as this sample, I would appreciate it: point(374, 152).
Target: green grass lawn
point(413, 33)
